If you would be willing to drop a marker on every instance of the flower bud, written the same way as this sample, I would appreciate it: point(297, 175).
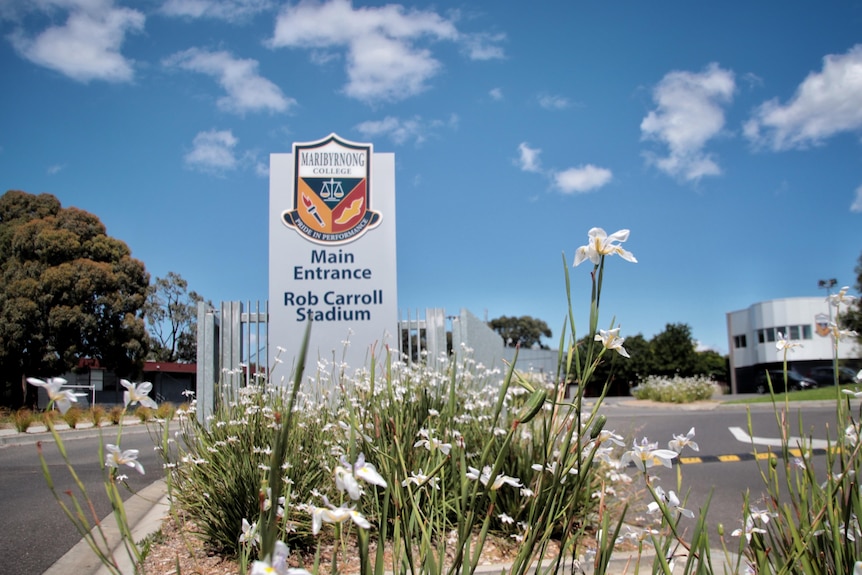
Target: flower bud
point(721, 529)
point(533, 406)
point(598, 426)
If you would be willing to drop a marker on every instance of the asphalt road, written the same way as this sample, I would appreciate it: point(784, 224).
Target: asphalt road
point(719, 471)
point(36, 533)
point(35, 530)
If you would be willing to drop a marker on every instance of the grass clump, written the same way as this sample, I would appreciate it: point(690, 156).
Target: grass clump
point(144, 413)
point(166, 411)
point(73, 416)
point(24, 418)
point(97, 415)
point(116, 414)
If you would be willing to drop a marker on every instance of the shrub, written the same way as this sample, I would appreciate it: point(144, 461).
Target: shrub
point(97, 415)
point(72, 416)
point(460, 454)
point(24, 418)
point(674, 390)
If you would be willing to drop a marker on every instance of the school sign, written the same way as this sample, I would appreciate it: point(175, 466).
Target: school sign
point(332, 257)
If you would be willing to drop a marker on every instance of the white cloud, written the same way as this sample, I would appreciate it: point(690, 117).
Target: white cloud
point(246, 89)
point(856, 206)
point(87, 46)
point(528, 158)
point(400, 131)
point(484, 46)
point(826, 103)
point(213, 151)
point(551, 102)
point(496, 94)
point(384, 58)
point(689, 113)
point(229, 10)
point(56, 169)
point(581, 179)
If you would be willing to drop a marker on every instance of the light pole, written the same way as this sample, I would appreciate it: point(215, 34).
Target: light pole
point(828, 285)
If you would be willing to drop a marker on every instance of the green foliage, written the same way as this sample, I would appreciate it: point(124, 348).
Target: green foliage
point(673, 351)
point(674, 390)
point(524, 331)
point(851, 317)
point(222, 466)
point(171, 314)
point(67, 291)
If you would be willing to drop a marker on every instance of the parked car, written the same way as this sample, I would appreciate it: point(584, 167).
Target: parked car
point(795, 381)
point(824, 375)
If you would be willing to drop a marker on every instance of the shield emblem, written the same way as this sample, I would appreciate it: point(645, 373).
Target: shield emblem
point(821, 324)
point(332, 191)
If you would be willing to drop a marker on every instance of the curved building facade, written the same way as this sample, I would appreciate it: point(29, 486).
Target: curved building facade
point(753, 332)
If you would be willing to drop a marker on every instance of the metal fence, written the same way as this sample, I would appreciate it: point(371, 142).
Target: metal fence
point(233, 344)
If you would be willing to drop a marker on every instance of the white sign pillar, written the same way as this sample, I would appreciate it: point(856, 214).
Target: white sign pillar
point(332, 257)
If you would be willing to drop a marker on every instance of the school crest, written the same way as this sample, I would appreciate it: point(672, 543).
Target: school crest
point(331, 191)
point(821, 324)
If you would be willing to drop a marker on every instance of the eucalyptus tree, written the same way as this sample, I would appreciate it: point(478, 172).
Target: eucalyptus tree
point(67, 291)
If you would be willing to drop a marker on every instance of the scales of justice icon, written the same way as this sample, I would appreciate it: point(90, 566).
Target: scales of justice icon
point(332, 189)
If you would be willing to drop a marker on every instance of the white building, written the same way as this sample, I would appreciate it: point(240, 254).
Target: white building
point(752, 334)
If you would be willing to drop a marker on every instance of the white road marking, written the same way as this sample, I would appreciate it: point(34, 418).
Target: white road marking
point(793, 442)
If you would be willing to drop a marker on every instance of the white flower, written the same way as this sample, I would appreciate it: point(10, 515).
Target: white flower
point(840, 334)
point(647, 455)
point(784, 344)
point(611, 340)
point(670, 500)
point(761, 514)
point(841, 298)
point(367, 472)
point(332, 514)
point(115, 458)
point(420, 479)
point(606, 437)
point(430, 443)
point(249, 533)
point(345, 481)
point(748, 530)
point(601, 244)
point(278, 564)
point(137, 393)
point(63, 399)
point(505, 519)
point(680, 441)
point(485, 476)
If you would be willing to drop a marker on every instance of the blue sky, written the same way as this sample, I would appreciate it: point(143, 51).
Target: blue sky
point(724, 135)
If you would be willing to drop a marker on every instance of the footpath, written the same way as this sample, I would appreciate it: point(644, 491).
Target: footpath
point(148, 509)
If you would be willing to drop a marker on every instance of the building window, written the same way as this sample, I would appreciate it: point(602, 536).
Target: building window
point(770, 334)
point(761, 337)
point(794, 331)
point(739, 341)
